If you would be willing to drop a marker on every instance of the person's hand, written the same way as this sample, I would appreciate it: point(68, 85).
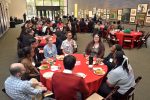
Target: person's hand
point(99, 60)
point(43, 88)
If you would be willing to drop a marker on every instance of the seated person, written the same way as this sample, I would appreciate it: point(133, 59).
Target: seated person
point(95, 47)
point(18, 89)
point(121, 75)
point(66, 85)
point(50, 49)
point(109, 59)
point(27, 54)
point(69, 45)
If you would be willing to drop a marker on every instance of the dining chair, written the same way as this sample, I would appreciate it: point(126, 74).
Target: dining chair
point(130, 93)
point(96, 96)
point(143, 40)
point(127, 41)
point(112, 39)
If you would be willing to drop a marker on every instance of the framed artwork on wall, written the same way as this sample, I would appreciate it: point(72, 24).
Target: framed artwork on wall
point(132, 19)
point(113, 14)
point(148, 12)
point(119, 17)
point(105, 11)
point(133, 12)
point(119, 12)
point(140, 17)
point(142, 8)
point(147, 20)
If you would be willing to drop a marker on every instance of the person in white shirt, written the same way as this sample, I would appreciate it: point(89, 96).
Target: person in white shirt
point(69, 45)
point(121, 75)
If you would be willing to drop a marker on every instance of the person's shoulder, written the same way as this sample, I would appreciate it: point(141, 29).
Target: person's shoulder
point(45, 46)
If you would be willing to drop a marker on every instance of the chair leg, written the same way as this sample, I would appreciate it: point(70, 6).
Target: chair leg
point(133, 96)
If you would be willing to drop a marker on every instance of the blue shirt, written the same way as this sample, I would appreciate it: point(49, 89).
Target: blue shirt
point(18, 89)
point(50, 51)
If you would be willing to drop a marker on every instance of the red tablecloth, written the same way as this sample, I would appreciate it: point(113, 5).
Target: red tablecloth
point(120, 35)
point(93, 81)
point(43, 39)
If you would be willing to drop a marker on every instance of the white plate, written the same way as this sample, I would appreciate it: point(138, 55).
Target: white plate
point(81, 75)
point(54, 68)
point(43, 68)
point(48, 75)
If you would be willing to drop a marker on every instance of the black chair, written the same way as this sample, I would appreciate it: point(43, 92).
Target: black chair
point(142, 40)
point(130, 93)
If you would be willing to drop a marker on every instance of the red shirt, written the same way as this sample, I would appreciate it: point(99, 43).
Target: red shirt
point(66, 86)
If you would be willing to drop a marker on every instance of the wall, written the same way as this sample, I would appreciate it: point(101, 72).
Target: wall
point(17, 8)
point(107, 4)
point(4, 17)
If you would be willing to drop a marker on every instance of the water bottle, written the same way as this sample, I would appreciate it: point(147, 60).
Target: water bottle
point(90, 60)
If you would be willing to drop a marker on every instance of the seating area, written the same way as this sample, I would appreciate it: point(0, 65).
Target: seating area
point(62, 51)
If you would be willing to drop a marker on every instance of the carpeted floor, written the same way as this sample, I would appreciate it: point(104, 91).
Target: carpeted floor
point(139, 59)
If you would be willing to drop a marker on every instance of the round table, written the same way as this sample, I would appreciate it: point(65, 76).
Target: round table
point(92, 80)
point(120, 36)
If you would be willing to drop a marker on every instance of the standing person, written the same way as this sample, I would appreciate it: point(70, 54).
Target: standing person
point(69, 45)
point(50, 49)
point(18, 89)
point(121, 75)
point(68, 86)
point(24, 17)
point(95, 47)
point(73, 29)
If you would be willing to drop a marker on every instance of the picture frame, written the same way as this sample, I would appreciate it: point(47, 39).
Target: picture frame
point(94, 11)
point(147, 20)
point(148, 12)
point(133, 12)
point(142, 8)
point(132, 19)
point(113, 14)
point(119, 12)
point(140, 16)
point(107, 16)
point(119, 18)
point(105, 11)
point(108, 11)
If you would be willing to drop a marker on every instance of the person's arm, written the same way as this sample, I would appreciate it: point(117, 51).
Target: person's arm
point(28, 89)
point(74, 46)
point(45, 53)
point(62, 48)
point(83, 88)
point(55, 53)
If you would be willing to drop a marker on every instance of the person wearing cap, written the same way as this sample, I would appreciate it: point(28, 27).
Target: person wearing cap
point(121, 75)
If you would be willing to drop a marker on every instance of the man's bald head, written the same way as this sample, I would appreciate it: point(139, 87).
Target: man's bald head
point(16, 68)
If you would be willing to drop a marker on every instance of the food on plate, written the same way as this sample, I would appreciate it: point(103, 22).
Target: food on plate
point(99, 71)
point(60, 57)
point(43, 67)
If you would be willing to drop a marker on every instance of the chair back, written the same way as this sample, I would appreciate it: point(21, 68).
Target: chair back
point(109, 96)
point(130, 92)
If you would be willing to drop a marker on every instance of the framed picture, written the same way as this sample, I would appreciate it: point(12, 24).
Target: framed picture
point(113, 14)
point(132, 19)
point(148, 12)
point(133, 12)
point(119, 17)
point(105, 11)
point(107, 16)
point(147, 20)
point(108, 11)
point(140, 17)
point(94, 11)
point(104, 17)
point(101, 10)
point(119, 12)
point(126, 15)
point(142, 8)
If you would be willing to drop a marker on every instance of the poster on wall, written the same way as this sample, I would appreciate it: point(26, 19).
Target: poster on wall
point(105, 11)
point(107, 16)
point(90, 14)
point(133, 12)
point(94, 10)
point(148, 12)
point(147, 20)
point(119, 12)
point(125, 15)
point(108, 11)
point(119, 17)
point(132, 19)
point(113, 14)
point(140, 17)
point(142, 8)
